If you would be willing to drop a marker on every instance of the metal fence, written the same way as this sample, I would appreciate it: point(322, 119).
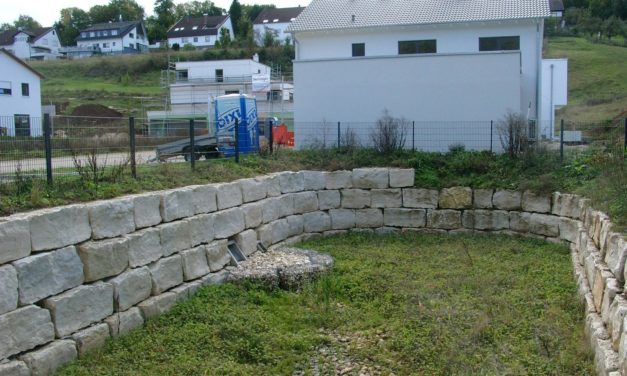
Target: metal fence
point(63, 145)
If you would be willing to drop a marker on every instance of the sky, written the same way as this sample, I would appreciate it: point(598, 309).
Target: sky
point(46, 12)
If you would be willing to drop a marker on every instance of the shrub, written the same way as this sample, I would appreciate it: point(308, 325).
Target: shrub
point(388, 136)
point(512, 131)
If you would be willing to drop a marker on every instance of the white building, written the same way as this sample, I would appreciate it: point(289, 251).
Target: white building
point(112, 38)
point(274, 21)
point(20, 97)
point(452, 67)
point(199, 31)
point(36, 44)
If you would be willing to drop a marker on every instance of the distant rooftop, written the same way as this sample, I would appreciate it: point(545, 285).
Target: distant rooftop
point(6, 37)
point(277, 15)
point(197, 26)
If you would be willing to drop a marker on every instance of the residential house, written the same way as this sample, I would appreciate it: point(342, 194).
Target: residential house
point(274, 21)
point(199, 31)
point(20, 97)
point(453, 67)
point(35, 44)
point(111, 38)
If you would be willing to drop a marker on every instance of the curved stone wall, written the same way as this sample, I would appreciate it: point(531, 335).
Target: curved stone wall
point(73, 276)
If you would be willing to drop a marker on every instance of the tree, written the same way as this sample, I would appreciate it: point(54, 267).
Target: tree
point(235, 11)
point(72, 21)
point(163, 19)
point(26, 22)
point(197, 9)
point(225, 39)
point(269, 39)
point(252, 11)
point(6, 26)
point(245, 37)
point(127, 10)
point(612, 27)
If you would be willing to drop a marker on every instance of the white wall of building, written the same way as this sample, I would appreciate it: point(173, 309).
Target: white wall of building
point(14, 74)
point(554, 93)
point(117, 43)
point(230, 68)
point(278, 30)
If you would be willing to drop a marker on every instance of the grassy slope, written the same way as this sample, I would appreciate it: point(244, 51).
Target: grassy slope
point(597, 78)
point(410, 304)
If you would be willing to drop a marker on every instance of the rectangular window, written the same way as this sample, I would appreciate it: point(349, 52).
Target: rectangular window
point(113, 44)
point(359, 49)
point(181, 75)
point(195, 39)
point(207, 39)
point(105, 33)
point(22, 125)
point(5, 87)
point(92, 34)
point(25, 90)
point(499, 43)
point(227, 92)
point(184, 40)
point(114, 32)
point(105, 45)
point(131, 35)
point(427, 46)
point(219, 75)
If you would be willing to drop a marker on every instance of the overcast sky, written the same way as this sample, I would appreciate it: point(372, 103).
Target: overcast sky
point(46, 12)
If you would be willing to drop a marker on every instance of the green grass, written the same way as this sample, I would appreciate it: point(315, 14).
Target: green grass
point(410, 304)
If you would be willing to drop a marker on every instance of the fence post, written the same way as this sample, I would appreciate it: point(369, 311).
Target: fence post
point(413, 135)
point(562, 140)
point(192, 144)
point(131, 134)
point(48, 148)
point(271, 138)
point(339, 132)
point(491, 133)
point(236, 140)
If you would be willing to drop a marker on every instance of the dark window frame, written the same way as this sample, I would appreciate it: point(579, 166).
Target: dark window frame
point(358, 49)
point(6, 89)
point(219, 75)
point(25, 89)
point(499, 43)
point(420, 46)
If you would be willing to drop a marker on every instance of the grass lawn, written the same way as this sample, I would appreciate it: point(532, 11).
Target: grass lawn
point(408, 304)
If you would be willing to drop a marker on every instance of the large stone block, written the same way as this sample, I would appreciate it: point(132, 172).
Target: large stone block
point(201, 229)
point(489, 220)
point(612, 289)
point(286, 205)
point(292, 182)
point(264, 234)
point(370, 178)
point(131, 287)
point(228, 223)
point(177, 204)
point(271, 209)
point(506, 199)
point(329, 199)
point(204, 198)
point(605, 359)
point(194, 263)
point(253, 189)
point(569, 229)
point(444, 219)
point(482, 198)
point(229, 195)
point(253, 213)
point(536, 203)
point(166, 273)
point(316, 222)
point(123, 322)
point(386, 198)
point(24, 329)
point(48, 359)
point(616, 255)
point(273, 184)
point(14, 368)
point(544, 224)
point(80, 307)
point(455, 198)
point(368, 218)
point(157, 305)
point(103, 258)
point(217, 255)
point(8, 292)
point(618, 311)
point(144, 247)
point(147, 209)
point(91, 339)
point(59, 227)
point(175, 237)
point(280, 230)
point(295, 224)
point(305, 202)
point(404, 217)
point(339, 179)
point(355, 198)
point(15, 235)
point(47, 274)
point(569, 206)
point(111, 218)
point(215, 278)
point(420, 198)
point(519, 221)
point(314, 180)
point(247, 241)
point(342, 219)
point(402, 177)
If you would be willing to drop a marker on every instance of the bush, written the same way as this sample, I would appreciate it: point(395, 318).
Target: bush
point(388, 135)
point(512, 131)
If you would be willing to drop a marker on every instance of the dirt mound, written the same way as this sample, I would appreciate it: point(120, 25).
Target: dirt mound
point(95, 110)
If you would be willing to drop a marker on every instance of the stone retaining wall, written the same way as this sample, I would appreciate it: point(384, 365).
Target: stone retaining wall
point(73, 276)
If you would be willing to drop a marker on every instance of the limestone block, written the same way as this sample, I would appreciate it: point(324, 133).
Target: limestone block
point(606, 231)
point(175, 237)
point(584, 205)
point(329, 199)
point(371, 178)
point(217, 255)
point(295, 225)
point(569, 229)
point(444, 219)
point(292, 182)
point(157, 305)
point(177, 204)
point(544, 224)
point(271, 209)
point(204, 198)
point(59, 227)
point(519, 221)
point(229, 195)
point(103, 258)
point(368, 218)
point(15, 235)
point(201, 229)
point(404, 217)
point(334, 233)
point(24, 329)
point(532, 202)
point(314, 180)
point(253, 214)
point(569, 206)
point(612, 289)
point(420, 198)
point(605, 359)
point(48, 359)
point(8, 292)
point(386, 198)
point(594, 328)
point(182, 291)
point(80, 307)
point(166, 273)
point(491, 220)
point(264, 234)
point(215, 278)
point(599, 285)
point(280, 230)
point(273, 184)
point(146, 209)
point(616, 256)
point(506, 199)
point(482, 198)
point(14, 368)
point(228, 223)
point(111, 218)
point(253, 189)
point(91, 339)
point(131, 287)
point(122, 323)
point(355, 198)
point(342, 219)
point(286, 205)
point(339, 179)
point(247, 241)
point(305, 202)
point(194, 263)
point(401, 177)
point(455, 198)
point(316, 222)
point(47, 274)
point(144, 247)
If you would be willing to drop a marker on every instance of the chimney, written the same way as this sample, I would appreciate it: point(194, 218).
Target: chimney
point(205, 18)
point(256, 57)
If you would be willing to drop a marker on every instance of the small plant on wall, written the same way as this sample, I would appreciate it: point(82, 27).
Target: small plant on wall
point(388, 136)
point(512, 131)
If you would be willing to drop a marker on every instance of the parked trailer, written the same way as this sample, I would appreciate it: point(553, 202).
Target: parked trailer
point(206, 146)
